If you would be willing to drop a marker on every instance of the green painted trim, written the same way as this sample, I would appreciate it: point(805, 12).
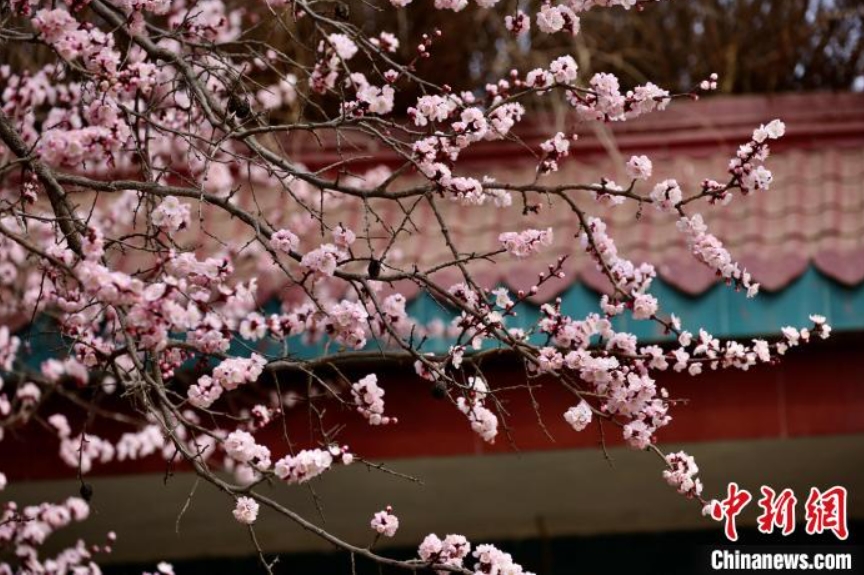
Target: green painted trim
point(722, 311)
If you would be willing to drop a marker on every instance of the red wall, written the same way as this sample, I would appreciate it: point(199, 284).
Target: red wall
point(815, 391)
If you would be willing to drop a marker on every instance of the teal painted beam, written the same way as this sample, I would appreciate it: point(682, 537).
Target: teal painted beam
point(722, 311)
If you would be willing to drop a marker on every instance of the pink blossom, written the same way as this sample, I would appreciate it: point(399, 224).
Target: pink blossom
point(346, 323)
point(483, 421)
point(554, 150)
point(644, 306)
point(323, 260)
point(84, 452)
point(551, 19)
point(666, 196)
point(490, 559)
point(60, 424)
point(386, 41)
point(240, 445)
point(467, 191)
point(377, 100)
point(236, 371)
point(171, 215)
point(454, 5)
point(564, 69)
point(284, 241)
point(433, 109)
point(711, 252)
point(343, 45)
point(304, 466)
point(526, 243)
point(579, 417)
point(451, 551)
point(639, 167)
point(385, 523)
point(253, 327)
point(682, 474)
point(773, 131)
point(9, 345)
point(518, 23)
point(343, 237)
point(638, 434)
point(246, 510)
point(93, 244)
point(370, 400)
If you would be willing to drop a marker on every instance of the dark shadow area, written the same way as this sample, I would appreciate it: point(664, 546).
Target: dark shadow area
point(668, 553)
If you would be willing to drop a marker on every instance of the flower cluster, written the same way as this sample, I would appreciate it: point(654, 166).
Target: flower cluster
point(667, 195)
point(346, 322)
point(332, 54)
point(281, 94)
point(490, 559)
point(483, 421)
point(682, 474)
point(323, 260)
point(9, 345)
point(747, 166)
point(518, 23)
point(626, 277)
point(526, 243)
point(453, 549)
point(284, 241)
point(370, 400)
point(710, 251)
point(310, 463)
point(171, 215)
point(241, 446)
point(385, 523)
point(246, 510)
point(450, 551)
point(159, 97)
point(579, 416)
point(25, 529)
point(228, 375)
point(639, 167)
point(551, 19)
point(554, 149)
point(370, 99)
point(605, 102)
point(84, 450)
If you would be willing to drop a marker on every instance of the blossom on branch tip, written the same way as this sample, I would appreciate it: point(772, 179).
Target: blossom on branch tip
point(284, 241)
point(246, 510)
point(518, 23)
point(579, 416)
point(666, 196)
point(171, 215)
point(526, 243)
point(385, 523)
point(711, 252)
point(323, 260)
point(682, 474)
point(639, 167)
point(370, 400)
point(773, 131)
point(551, 19)
point(451, 551)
